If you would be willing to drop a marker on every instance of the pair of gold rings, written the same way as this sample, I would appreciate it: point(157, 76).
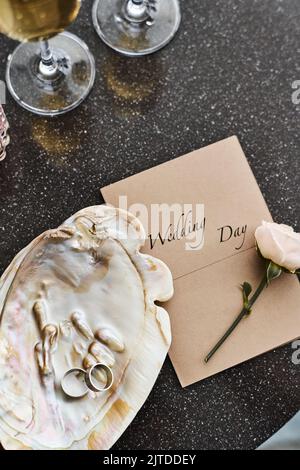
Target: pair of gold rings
point(76, 383)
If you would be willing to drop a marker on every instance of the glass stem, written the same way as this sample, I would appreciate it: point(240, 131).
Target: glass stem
point(136, 10)
point(48, 66)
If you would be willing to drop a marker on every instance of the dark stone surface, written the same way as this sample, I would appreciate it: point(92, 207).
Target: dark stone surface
point(229, 71)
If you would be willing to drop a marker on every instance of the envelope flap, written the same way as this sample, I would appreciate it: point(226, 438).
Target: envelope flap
point(218, 177)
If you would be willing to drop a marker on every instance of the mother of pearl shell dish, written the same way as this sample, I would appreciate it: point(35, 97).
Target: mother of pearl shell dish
point(76, 296)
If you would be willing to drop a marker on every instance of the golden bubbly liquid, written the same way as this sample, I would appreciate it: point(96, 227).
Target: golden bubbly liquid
point(32, 20)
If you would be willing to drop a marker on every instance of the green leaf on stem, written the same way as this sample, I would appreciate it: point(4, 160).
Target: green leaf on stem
point(273, 271)
point(246, 289)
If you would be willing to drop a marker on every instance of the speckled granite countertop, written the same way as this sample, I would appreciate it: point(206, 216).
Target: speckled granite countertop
point(229, 71)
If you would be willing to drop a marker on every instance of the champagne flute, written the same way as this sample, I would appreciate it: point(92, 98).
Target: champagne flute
point(136, 27)
point(55, 74)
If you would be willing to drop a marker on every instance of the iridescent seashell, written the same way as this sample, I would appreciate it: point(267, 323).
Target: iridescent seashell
point(75, 296)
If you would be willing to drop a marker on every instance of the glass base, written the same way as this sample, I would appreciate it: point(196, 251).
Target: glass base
point(133, 38)
point(60, 93)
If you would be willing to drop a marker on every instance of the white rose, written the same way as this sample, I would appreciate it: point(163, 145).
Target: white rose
point(280, 244)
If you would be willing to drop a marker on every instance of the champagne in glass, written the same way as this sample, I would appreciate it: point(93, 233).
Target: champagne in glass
point(55, 75)
point(36, 20)
point(136, 27)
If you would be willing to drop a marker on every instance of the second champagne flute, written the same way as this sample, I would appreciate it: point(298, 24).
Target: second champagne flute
point(136, 27)
point(54, 75)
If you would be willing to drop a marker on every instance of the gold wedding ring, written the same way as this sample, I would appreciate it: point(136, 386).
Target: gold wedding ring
point(76, 383)
point(99, 378)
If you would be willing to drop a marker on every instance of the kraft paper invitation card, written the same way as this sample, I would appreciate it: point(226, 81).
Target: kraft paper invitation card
point(210, 253)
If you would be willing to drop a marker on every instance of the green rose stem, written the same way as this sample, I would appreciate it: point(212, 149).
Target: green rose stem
point(272, 272)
